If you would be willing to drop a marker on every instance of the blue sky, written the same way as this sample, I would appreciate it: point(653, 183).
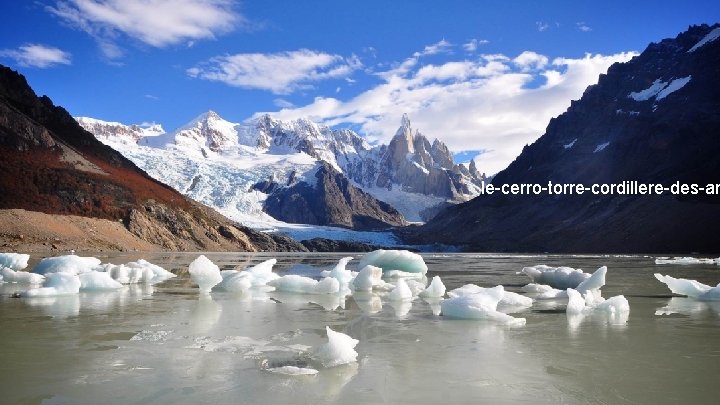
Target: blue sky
point(479, 75)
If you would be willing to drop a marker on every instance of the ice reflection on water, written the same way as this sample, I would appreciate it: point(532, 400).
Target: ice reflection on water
point(166, 343)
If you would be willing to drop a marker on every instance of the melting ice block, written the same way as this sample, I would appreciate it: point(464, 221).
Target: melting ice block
point(340, 349)
point(305, 285)
point(368, 277)
point(436, 289)
point(9, 275)
point(158, 273)
point(577, 304)
point(507, 298)
point(59, 283)
point(401, 292)
point(262, 273)
point(234, 281)
point(292, 370)
point(98, 280)
point(66, 264)
point(691, 288)
point(339, 272)
point(402, 260)
point(557, 277)
point(14, 261)
point(481, 305)
point(205, 273)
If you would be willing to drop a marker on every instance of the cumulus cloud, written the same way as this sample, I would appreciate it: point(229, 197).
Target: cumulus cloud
point(472, 45)
point(156, 23)
point(37, 55)
point(281, 73)
point(494, 103)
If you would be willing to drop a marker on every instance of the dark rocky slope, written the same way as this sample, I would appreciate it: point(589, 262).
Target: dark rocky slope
point(331, 200)
point(609, 136)
point(49, 164)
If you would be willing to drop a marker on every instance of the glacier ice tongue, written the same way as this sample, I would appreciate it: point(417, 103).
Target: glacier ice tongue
point(205, 273)
point(339, 349)
point(14, 261)
point(402, 260)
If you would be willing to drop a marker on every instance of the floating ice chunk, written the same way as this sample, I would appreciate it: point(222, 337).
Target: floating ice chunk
point(262, 272)
point(368, 277)
point(481, 305)
point(685, 260)
point(22, 277)
point(14, 261)
point(435, 290)
point(66, 264)
point(205, 273)
point(533, 288)
point(234, 281)
point(59, 283)
point(691, 288)
point(401, 292)
point(339, 272)
point(507, 298)
point(614, 305)
point(594, 282)
point(416, 286)
point(402, 260)
point(159, 273)
point(556, 277)
point(97, 280)
point(292, 370)
point(576, 302)
point(340, 349)
point(305, 285)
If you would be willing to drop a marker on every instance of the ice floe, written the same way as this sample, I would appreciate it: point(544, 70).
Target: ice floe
point(691, 288)
point(339, 349)
point(481, 305)
point(66, 264)
point(507, 297)
point(205, 273)
point(402, 260)
point(616, 309)
point(14, 261)
point(556, 277)
point(686, 260)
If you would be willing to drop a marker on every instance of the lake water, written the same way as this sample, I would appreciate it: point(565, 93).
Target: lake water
point(166, 344)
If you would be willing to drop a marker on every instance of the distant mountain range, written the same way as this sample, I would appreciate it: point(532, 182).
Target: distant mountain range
point(654, 119)
point(49, 164)
point(298, 171)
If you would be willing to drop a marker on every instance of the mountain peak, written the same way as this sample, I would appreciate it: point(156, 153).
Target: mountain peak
point(405, 121)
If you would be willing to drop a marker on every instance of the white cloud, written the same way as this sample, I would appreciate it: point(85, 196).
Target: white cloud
point(151, 97)
point(472, 45)
point(281, 73)
point(37, 55)
point(529, 60)
point(157, 23)
point(489, 104)
point(282, 103)
point(583, 27)
point(542, 26)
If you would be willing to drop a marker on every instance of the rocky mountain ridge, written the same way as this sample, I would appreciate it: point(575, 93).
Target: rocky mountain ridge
point(49, 164)
point(654, 119)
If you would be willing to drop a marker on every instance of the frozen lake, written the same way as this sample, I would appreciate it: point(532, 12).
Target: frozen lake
point(166, 344)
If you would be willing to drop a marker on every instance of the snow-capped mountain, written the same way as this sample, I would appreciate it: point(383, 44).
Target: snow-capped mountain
point(115, 132)
point(221, 164)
